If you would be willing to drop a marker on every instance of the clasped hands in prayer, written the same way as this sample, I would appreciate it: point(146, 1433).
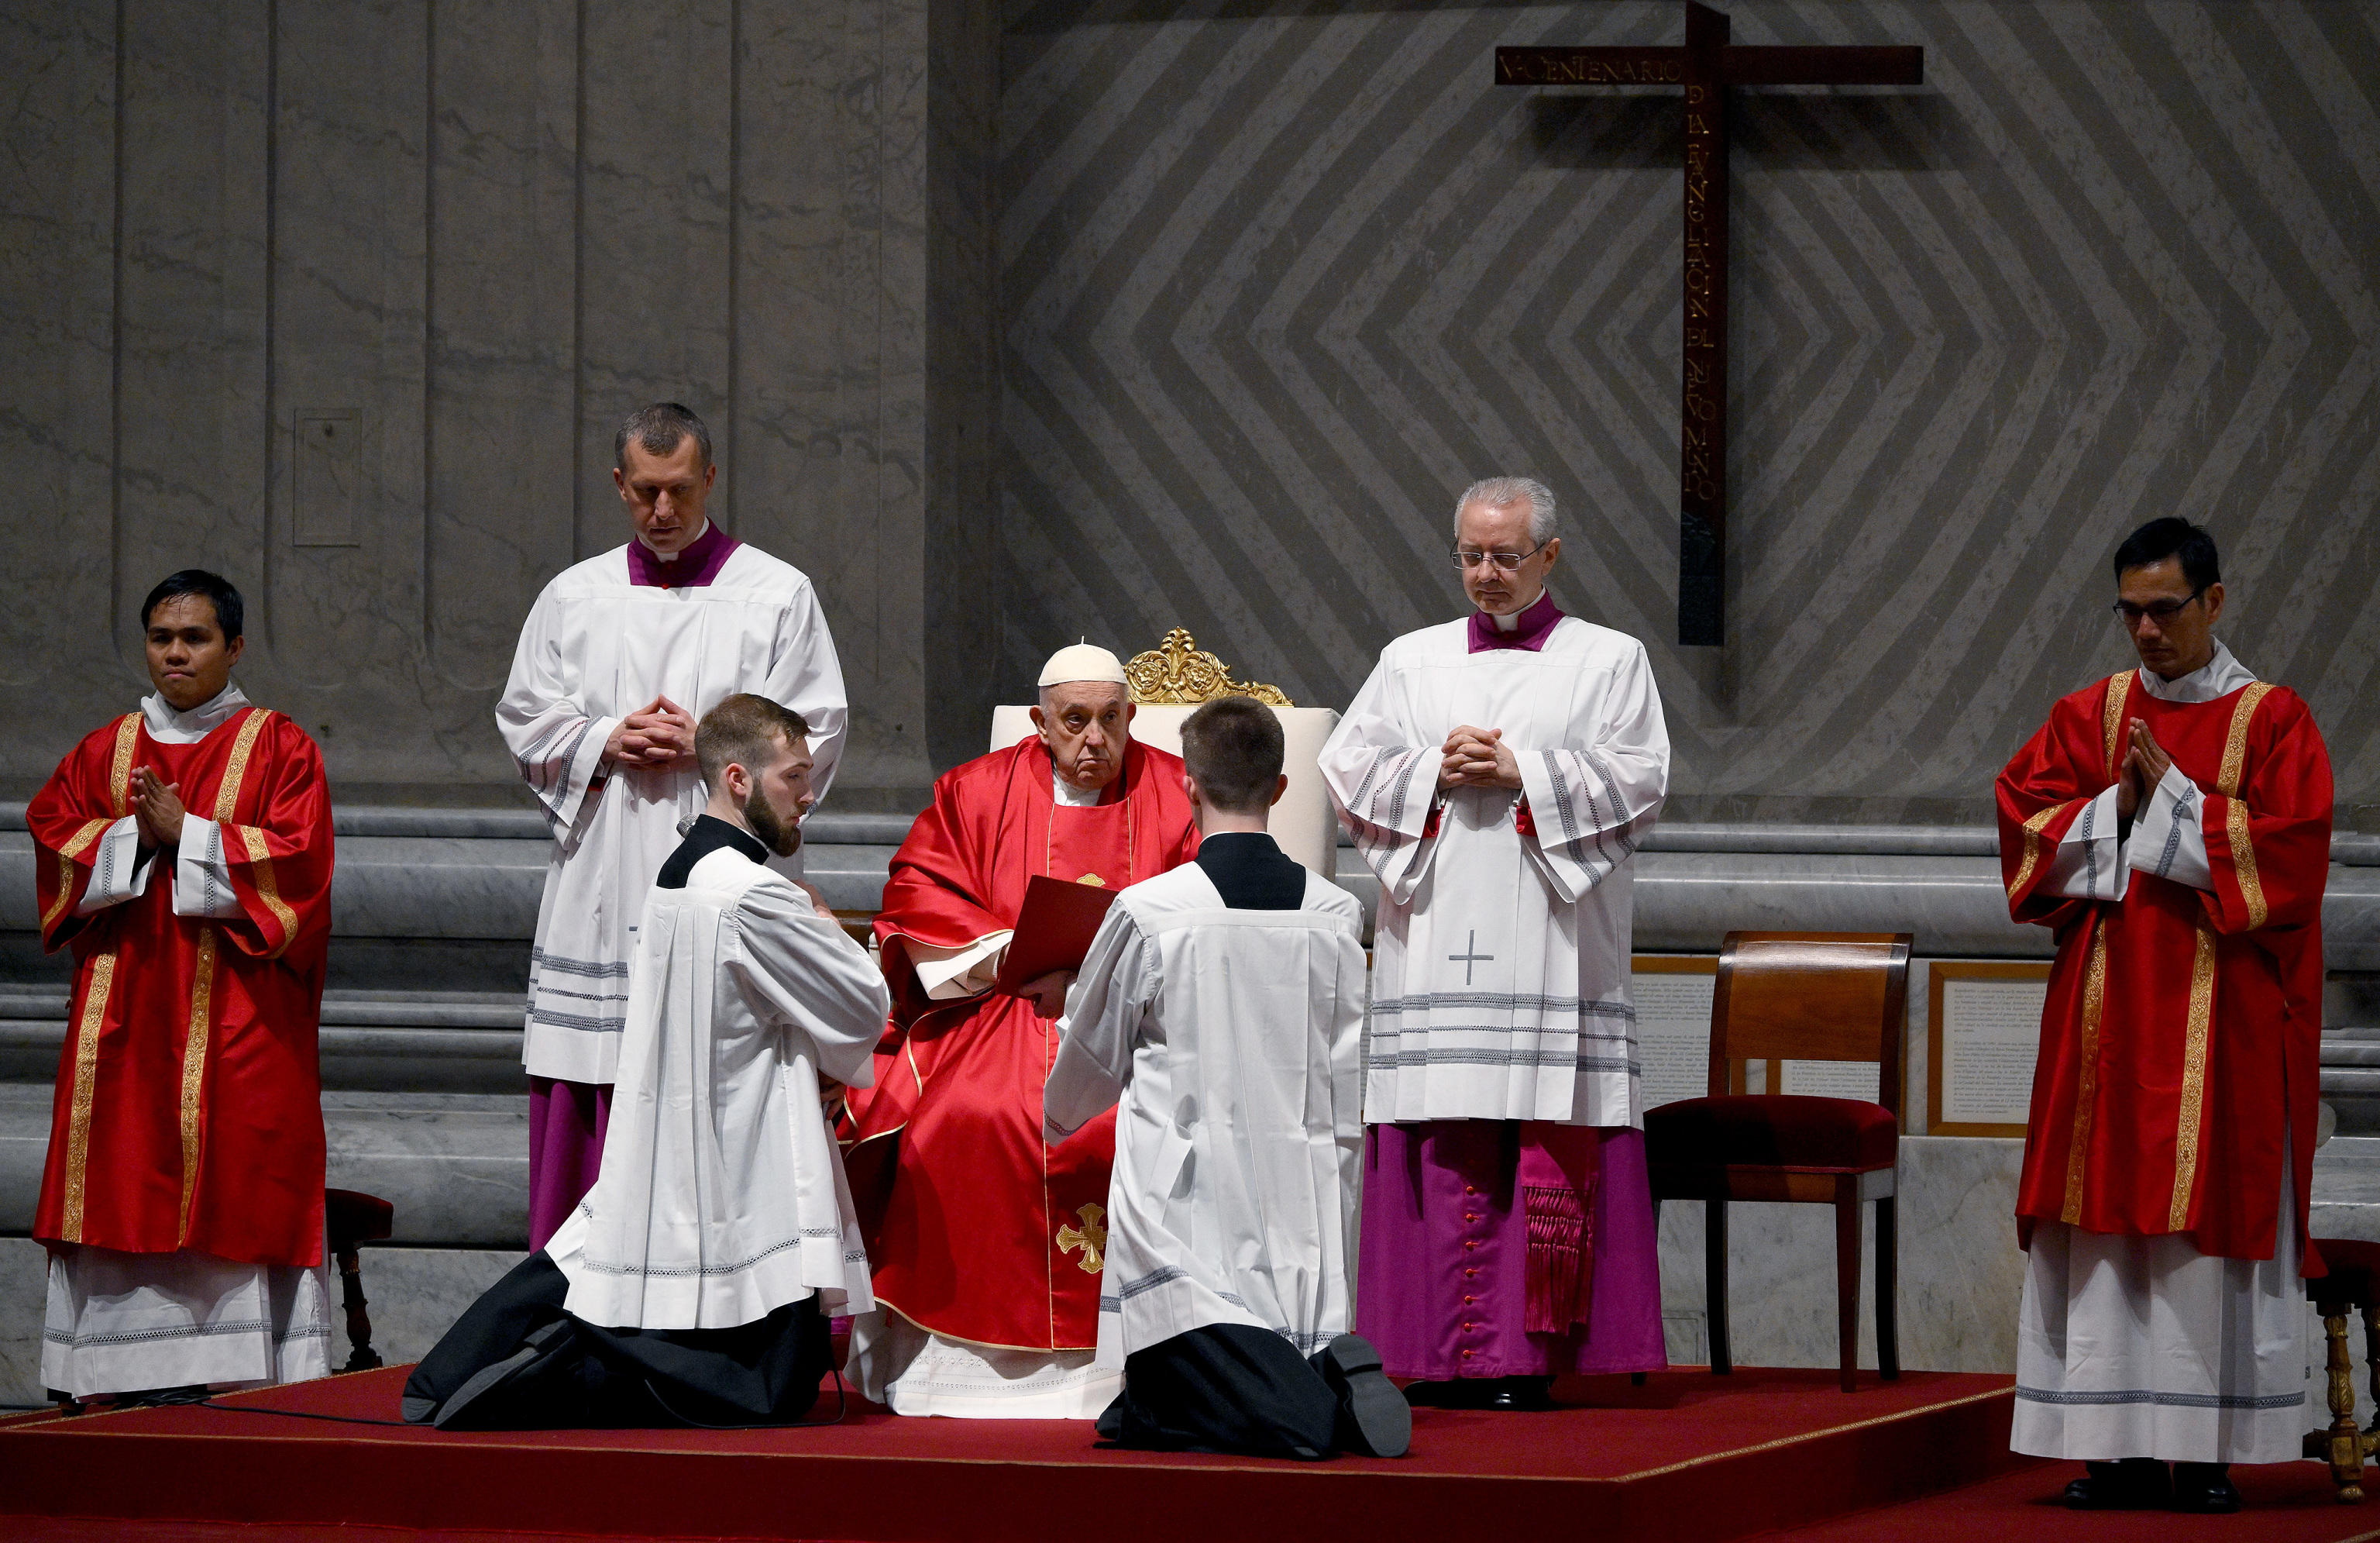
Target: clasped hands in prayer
point(1477, 757)
point(2146, 764)
point(658, 736)
point(157, 808)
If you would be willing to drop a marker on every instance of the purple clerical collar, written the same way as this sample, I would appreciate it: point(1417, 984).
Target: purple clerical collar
point(1537, 625)
point(697, 561)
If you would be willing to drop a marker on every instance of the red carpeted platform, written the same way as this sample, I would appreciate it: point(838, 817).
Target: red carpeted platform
point(1687, 1456)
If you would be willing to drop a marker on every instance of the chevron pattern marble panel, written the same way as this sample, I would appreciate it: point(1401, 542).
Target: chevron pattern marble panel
point(1277, 280)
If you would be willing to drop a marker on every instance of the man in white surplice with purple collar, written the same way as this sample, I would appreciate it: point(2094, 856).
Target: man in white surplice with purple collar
point(1497, 773)
point(619, 657)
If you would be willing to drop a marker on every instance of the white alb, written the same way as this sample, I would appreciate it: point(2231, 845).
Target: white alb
point(1500, 986)
point(1233, 1038)
point(595, 648)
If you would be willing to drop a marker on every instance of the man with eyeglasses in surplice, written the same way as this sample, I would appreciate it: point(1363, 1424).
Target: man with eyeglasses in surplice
point(1497, 773)
point(2172, 825)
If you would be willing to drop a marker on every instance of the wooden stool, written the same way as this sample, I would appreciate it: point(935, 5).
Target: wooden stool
point(2354, 1272)
point(351, 1219)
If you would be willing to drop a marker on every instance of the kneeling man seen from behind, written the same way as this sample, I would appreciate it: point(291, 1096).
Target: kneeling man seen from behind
point(1222, 1003)
point(693, 1284)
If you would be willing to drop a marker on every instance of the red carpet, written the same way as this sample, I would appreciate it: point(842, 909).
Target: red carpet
point(1688, 1457)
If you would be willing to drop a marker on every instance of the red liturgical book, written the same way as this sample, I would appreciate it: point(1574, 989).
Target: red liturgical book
point(1053, 929)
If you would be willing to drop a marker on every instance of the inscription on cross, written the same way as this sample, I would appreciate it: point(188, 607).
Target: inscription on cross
point(1707, 68)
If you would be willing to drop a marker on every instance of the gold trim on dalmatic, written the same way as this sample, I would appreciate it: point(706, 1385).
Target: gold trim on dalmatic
point(236, 769)
point(66, 854)
point(2086, 1091)
point(119, 776)
point(2235, 819)
point(2032, 829)
point(2193, 1079)
point(194, 1066)
point(259, 861)
point(86, 1087)
point(2235, 744)
point(2120, 690)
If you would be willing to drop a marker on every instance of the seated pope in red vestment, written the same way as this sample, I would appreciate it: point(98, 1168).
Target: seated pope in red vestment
point(184, 854)
point(986, 1241)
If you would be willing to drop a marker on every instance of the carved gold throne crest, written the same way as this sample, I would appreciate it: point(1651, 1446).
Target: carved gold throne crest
point(1177, 672)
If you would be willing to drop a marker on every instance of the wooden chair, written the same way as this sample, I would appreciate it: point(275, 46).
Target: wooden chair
point(351, 1219)
point(2351, 1285)
point(1796, 996)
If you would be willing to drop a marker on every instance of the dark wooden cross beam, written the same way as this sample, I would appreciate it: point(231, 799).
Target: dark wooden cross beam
point(1706, 66)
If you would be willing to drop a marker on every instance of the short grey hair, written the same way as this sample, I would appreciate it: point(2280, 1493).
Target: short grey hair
point(1502, 492)
point(659, 427)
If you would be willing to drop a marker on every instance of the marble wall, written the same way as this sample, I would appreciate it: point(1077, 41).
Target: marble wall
point(1279, 280)
point(1022, 320)
point(344, 298)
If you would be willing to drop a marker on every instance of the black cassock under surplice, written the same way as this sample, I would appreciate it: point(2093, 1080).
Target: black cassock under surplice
point(518, 1361)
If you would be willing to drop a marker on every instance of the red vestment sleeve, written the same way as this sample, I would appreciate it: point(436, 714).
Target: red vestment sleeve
point(278, 846)
point(86, 794)
point(2268, 832)
point(2044, 789)
point(936, 892)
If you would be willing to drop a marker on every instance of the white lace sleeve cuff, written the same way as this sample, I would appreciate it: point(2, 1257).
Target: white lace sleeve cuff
point(201, 878)
point(2168, 838)
point(119, 870)
point(948, 974)
point(2089, 862)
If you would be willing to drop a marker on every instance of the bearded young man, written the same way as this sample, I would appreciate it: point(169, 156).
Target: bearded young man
point(692, 1284)
point(990, 1308)
point(620, 655)
point(2171, 825)
point(184, 854)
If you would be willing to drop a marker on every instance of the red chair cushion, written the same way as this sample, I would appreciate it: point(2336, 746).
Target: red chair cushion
point(1784, 1131)
point(2354, 1270)
point(351, 1216)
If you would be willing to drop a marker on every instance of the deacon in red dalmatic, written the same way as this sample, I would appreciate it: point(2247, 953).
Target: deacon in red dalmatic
point(986, 1240)
point(184, 854)
point(2171, 825)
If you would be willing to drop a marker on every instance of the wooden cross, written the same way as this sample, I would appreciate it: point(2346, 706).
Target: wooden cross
point(1706, 68)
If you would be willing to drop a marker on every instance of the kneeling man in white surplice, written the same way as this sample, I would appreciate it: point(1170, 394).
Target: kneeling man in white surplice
point(1223, 1003)
point(693, 1284)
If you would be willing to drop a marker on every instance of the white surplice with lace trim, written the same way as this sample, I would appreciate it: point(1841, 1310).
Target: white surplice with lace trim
point(597, 647)
point(1229, 1041)
point(116, 1322)
point(1499, 983)
point(2144, 1346)
point(721, 1195)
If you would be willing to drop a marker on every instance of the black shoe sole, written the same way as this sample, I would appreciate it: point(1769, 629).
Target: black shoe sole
point(1381, 1418)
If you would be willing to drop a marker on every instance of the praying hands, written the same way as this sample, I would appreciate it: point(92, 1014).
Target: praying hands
point(157, 808)
point(1477, 757)
point(658, 736)
point(2146, 764)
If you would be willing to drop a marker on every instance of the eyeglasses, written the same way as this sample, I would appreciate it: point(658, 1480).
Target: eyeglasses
point(2161, 612)
point(1506, 562)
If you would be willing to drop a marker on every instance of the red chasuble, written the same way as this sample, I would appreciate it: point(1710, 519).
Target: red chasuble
point(188, 1113)
point(2182, 1036)
point(978, 1229)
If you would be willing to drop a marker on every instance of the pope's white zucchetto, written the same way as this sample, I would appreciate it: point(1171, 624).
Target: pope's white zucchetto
point(1081, 662)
